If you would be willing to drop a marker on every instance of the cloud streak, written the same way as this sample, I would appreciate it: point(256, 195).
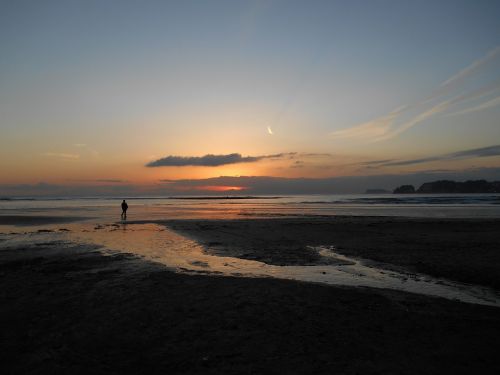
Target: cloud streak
point(472, 68)
point(374, 128)
point(211, 160)
point(393, 132)
point(62, 155)
point(404, 118)
point(495, 102)
point(466, 154)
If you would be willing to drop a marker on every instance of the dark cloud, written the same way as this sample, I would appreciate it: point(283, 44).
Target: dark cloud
point(479, 152)
point(212, 160)
point(315, 154)
point(413, 161)
point(107, 180)
point(112, 180)
point(297, 164)
point(466, 154)
point(373, 163)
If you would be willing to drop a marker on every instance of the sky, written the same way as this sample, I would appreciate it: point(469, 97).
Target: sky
point(166, 95)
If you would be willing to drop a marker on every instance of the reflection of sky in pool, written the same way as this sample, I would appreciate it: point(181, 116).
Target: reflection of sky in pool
point(159, 244)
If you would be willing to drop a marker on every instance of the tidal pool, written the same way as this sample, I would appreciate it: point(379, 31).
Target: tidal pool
point(178, 253)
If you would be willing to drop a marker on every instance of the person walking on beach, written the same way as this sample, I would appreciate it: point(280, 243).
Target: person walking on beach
point(124, 210)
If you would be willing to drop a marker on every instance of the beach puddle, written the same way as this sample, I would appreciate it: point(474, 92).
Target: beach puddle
point(366, 273)
point(180, 254)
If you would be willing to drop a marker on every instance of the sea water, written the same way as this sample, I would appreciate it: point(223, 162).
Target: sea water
point(157, 208)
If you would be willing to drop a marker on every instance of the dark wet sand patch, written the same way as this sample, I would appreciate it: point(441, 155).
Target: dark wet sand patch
point(27, 220)
point(82, 312)
point(458, 249)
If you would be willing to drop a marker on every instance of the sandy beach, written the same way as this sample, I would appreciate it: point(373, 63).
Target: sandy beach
point(70, 307)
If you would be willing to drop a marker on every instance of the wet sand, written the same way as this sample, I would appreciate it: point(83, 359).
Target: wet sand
point(24, 220)
point(462, 250)
point(71, 308)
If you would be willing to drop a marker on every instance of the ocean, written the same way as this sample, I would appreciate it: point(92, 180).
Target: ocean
point(156, 208)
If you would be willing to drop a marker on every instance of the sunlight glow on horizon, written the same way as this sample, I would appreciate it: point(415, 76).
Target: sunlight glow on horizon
point(219, 188)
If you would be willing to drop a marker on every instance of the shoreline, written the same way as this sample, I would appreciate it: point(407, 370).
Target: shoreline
point(462, 250)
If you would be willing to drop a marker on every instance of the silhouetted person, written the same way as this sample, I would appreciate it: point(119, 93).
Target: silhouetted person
point(124, 210)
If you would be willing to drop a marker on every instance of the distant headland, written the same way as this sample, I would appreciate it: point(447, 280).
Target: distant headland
point(451, 187)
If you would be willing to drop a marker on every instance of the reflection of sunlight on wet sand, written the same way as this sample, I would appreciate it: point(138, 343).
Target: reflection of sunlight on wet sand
point(160, 244)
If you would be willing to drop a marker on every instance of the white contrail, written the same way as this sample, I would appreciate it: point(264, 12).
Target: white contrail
point(489, 104)
point(269, 130)
point(387, 127)
point(473, 67)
